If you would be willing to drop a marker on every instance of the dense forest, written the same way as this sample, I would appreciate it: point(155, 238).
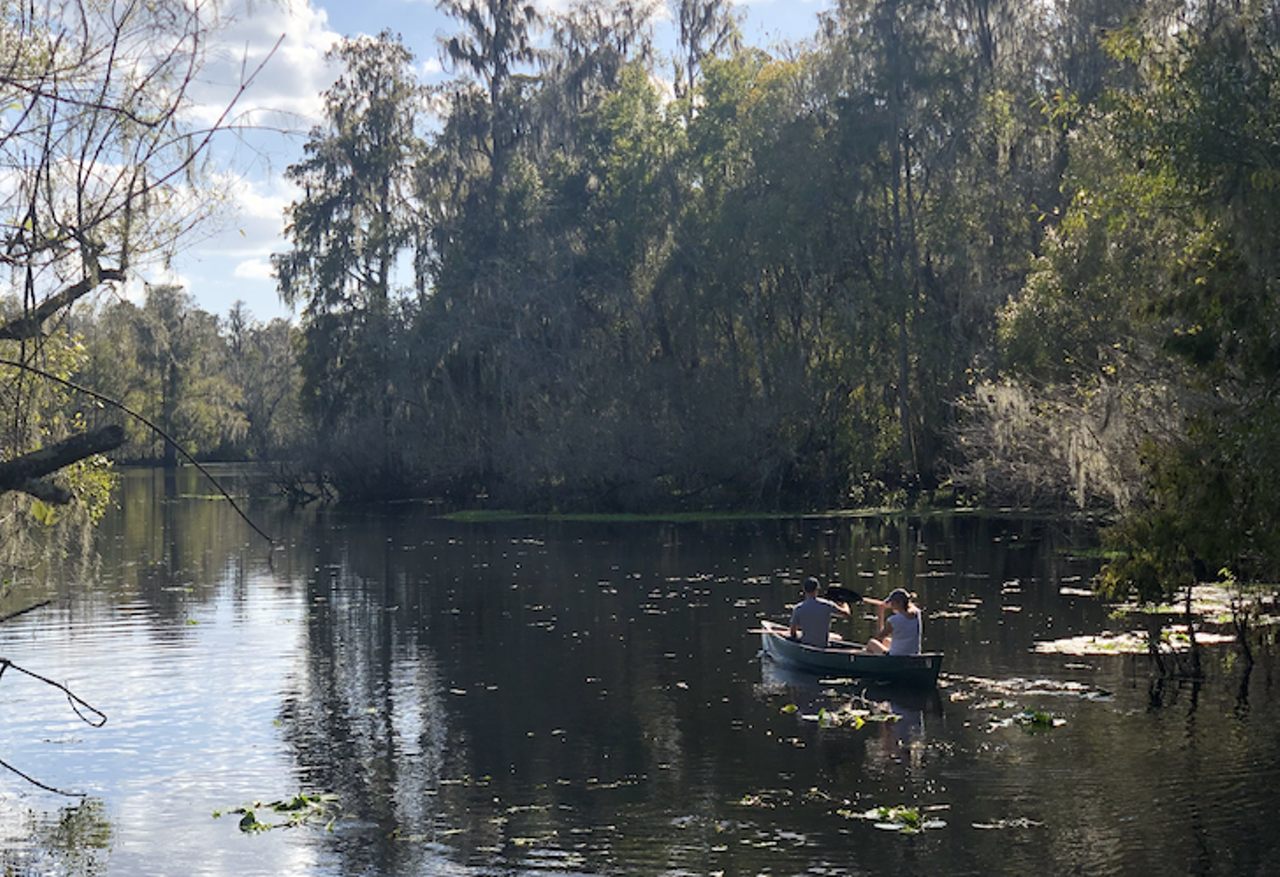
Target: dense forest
point(976, 251)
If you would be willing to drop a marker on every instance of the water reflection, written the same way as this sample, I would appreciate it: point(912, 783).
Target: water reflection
point(534, 697)
point(73, 840)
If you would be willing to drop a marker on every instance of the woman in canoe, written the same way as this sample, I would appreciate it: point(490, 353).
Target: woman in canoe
point(899, 634)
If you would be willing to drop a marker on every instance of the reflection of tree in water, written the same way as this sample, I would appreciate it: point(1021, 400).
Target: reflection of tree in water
point(75, 841)
point(367, 720)
point(510, 722)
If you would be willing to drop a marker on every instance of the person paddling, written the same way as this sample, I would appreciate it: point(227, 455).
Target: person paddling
point(811, 619)
point(899, 634)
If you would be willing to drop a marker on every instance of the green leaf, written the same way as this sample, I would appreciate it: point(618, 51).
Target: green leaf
point(44, 513)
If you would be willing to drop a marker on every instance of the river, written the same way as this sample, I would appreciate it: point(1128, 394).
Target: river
point(583, 698)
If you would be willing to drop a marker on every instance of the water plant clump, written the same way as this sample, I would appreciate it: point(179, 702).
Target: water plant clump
point(1030, 718)
point(901, 818)
point(1012, 822)
point(301, 809)
point(849, 716)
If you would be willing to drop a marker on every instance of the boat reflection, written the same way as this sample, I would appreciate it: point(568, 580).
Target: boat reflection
point(895, 713)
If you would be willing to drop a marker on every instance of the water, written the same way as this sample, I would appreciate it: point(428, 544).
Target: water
point(568, 698)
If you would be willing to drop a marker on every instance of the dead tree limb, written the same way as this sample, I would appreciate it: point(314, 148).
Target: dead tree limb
point(31, 608)
point(26, 473)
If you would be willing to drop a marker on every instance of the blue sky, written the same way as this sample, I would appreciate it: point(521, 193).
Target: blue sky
point(230, 261)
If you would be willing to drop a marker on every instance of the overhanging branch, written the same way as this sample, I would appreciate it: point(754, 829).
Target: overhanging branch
point(136, 416)
point(31, 325)
point(25, 473)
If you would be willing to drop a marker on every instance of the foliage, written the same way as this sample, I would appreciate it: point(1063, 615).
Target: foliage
point(302, 809)
point(101, 173)
point(347, 237)
point(742, 297)
point(223, 388)
point(1080, 442)
point(1139, 359)
point(38, 413)
point(1196, 132)
point(979, 242)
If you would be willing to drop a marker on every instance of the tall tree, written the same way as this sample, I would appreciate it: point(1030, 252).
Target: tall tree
point(348, 235)
point(262, 365)
point(903, 103)
point(707, 29)
point(496, 40)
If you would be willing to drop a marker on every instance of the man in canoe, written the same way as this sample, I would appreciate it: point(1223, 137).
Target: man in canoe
point(899, 634)
point(811, 619)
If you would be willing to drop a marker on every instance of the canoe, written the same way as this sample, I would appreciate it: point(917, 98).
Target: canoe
point(847, 660)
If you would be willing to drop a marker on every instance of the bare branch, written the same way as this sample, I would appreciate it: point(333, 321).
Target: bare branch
point(23, 473)
point(32, 325)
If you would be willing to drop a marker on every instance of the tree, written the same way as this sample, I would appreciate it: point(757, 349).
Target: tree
point(348, 234)
point(264, 368)
point(496, 40)
point(707, 29)
point(99, 165)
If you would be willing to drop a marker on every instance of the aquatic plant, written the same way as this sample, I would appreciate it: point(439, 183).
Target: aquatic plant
point(1014, 822)
point(301, 809)
point(1037, 719)
point(849, 716)
point(901, 818)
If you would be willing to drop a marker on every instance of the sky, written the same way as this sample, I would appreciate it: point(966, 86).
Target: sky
point(230, 262)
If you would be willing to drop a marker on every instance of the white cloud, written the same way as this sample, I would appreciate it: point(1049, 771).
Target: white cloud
point(253, 269)
point(286, 85)
point(260, 199)
point(233, 262)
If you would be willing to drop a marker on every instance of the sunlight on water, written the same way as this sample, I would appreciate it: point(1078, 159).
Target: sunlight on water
point(191, 709)
point(580, 699)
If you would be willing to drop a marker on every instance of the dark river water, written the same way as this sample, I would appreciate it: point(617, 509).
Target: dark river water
point(542, 697)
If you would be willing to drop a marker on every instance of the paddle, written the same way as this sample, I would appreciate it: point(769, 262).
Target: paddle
point(835, 593)
point(838, 594)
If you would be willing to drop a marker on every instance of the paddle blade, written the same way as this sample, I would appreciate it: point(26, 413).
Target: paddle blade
point(842, 595)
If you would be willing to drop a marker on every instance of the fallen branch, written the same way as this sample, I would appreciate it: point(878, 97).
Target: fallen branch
point(99, 717)
point(12, 615)
point(97, 721)
point(25, 473)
